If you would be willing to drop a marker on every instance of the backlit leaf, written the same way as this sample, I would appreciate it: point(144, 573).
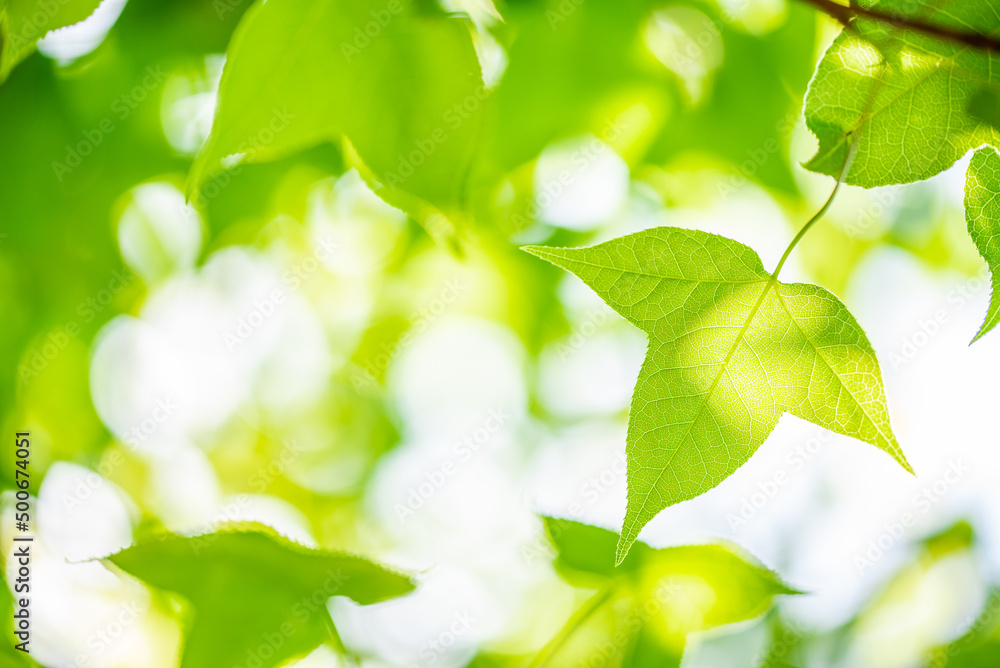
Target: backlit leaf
point(916, 104)
point(918, 122)
point(730, 351)
point(395, 82)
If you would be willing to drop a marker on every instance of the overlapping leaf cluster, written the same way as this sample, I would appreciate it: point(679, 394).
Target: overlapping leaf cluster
point(915, 103)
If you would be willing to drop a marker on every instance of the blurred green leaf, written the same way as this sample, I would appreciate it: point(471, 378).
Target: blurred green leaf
point(24, 22)
point(751, 102)
point(588, 549)
point(979, 647)
point(393, 81)
point(574, 68)
point(672, 591)
point(76, 140)
point(251, 588)
point(731, 350)
point(620, 71)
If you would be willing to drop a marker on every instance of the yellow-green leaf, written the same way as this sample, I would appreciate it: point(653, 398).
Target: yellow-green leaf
point(730, 351)
point(25, 22)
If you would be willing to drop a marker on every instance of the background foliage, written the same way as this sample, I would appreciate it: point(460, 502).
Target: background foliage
point(265, 308)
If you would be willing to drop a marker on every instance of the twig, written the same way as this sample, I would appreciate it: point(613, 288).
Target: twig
point(845, 14)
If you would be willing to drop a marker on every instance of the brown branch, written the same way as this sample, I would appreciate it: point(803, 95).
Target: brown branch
point(845, 14)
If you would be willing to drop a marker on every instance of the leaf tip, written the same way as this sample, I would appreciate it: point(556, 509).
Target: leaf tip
point(553, 254)
point(906, 466)
point(537, 251)
point(791, 591)
point(625, 542)
point(983, 330)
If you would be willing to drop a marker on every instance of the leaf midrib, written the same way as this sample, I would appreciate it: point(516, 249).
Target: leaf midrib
point(708, 393)
point(772, 282)
point(668, 278)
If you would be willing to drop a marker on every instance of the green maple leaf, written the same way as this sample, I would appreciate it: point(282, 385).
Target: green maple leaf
point(397, 84)
point(24, 22)
point(731, 350)
point(249, 588)
point(670, 592)
point(915, 104)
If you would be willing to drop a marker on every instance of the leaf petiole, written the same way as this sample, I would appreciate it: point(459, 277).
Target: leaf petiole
point(844, 170)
